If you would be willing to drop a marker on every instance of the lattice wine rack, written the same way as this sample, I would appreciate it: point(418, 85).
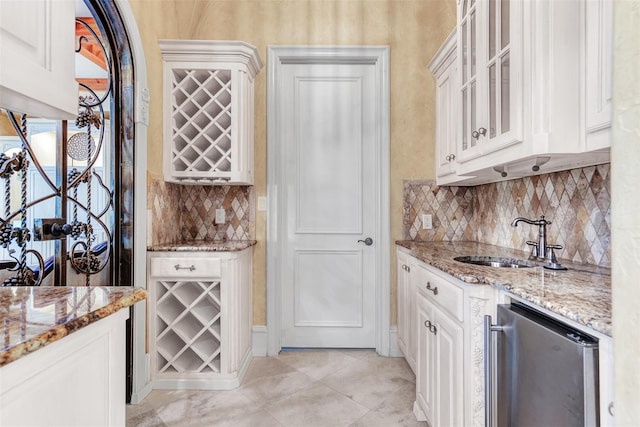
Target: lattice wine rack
point(188, 329)
point(208, 111)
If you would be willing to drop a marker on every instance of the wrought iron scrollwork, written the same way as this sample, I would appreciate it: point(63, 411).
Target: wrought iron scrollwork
point(86, 256)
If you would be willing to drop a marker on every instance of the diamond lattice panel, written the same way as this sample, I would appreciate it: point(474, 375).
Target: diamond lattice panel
point(188, 326)
point(201, 121)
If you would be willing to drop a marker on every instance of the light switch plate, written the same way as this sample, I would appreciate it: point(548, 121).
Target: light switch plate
point(220, 216)
point(427, 222)
point(262, 203)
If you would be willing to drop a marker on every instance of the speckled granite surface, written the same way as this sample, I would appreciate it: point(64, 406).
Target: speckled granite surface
point(33, 317)
point(204, 246)
point(582, 293)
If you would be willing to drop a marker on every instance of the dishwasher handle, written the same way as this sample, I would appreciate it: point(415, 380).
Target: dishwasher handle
point(488, 369)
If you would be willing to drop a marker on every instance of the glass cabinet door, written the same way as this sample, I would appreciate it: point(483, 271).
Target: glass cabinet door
point(490, 76)
point(468, 73)
point(499, 78)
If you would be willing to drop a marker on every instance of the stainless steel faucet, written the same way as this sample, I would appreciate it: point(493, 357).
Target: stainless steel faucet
point(540, 249)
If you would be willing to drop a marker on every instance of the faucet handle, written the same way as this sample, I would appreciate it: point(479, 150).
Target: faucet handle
point(534, 248)
point(551, 256)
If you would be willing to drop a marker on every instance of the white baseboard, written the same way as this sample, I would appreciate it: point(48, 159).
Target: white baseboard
point(259, 340)
point(394, 350)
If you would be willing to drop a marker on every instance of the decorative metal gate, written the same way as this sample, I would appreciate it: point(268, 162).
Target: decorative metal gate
point(57, 220)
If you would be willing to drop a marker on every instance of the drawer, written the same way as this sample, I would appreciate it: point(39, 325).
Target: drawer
point(438, 290)
point(184, 267)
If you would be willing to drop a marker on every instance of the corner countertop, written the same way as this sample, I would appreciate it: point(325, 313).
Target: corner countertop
point(203, 246)
point(582, 293)
point(35, 316)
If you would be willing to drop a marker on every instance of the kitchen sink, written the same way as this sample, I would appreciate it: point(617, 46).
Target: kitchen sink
point(495, 261)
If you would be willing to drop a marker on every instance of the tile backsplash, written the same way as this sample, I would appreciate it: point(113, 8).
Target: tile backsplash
point(187, 212)
point(577, 202)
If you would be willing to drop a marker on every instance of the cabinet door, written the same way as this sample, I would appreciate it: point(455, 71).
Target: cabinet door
point(425, 363)
point(446, 118)
point(37, 59)
point(597, 31)
point(402, 308)
point(448, 370)
point(490, 76)
point(468, 32)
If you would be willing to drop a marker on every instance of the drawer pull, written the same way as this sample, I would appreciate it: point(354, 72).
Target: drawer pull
point(191, 268)
point(434, 289)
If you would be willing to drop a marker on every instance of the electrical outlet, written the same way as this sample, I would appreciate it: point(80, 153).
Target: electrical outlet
point(220, 216)
point(427, 222)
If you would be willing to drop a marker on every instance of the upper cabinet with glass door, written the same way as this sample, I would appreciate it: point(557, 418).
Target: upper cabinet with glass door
point(534, 88)
point(490, 67)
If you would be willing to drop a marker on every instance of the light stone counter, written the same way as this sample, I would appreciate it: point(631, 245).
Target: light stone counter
point(582, 293)
point(204, 246)
point(34, 317)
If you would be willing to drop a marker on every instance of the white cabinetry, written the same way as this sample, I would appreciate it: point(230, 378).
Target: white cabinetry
point(405, 309)
point(37, 58)
point(199, 318)
point(447, 338)
point(444, 68)
point(77, 381)
point(490, 70)
point(208, 111)
point(440, 366)
point(533, 91)
point(597, 36)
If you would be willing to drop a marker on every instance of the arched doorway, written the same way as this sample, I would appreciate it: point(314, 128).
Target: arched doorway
point(74, 199)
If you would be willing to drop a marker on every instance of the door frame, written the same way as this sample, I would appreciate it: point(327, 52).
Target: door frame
point(277, 57)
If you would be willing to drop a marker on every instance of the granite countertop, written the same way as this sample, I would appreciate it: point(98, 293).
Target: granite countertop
point(33, 317)
point(582, 293)
point(204, 246)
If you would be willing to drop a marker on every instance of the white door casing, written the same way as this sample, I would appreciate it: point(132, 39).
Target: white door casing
point(327, 185)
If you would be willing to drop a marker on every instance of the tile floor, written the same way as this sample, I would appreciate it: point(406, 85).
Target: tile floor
point(303, 388)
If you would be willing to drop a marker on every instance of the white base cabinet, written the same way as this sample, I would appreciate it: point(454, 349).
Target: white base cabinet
point(448, 336)
point(76, 381)
point(199, 318)
point(406, 309)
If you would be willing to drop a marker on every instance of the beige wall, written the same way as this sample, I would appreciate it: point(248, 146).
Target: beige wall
point(413, 29)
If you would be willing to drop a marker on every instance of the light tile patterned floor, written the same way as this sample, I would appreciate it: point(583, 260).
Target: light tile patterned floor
point(304, 388)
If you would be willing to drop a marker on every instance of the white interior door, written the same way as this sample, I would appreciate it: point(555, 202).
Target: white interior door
point(329, 136)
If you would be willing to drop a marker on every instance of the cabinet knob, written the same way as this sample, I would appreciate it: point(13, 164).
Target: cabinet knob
point(450, 157)
point(610, 408)
point(476, 133)
point(432, 289)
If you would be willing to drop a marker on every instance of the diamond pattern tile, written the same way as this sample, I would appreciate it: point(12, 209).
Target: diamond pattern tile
point(577, 202)
point(196, 211)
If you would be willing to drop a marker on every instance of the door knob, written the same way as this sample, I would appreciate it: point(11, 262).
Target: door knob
point(368, 241)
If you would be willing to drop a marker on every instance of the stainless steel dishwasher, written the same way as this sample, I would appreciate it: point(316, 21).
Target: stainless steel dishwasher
point(547, 371)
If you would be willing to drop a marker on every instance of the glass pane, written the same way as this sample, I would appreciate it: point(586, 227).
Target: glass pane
point(492, 28)
point(492, 101)
point(472, 42)
point(471, 3)
point(473, 111)
point(464, 7)
point(465, 119)
point(504, 23)
point(505, 78)
point(465, 74)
